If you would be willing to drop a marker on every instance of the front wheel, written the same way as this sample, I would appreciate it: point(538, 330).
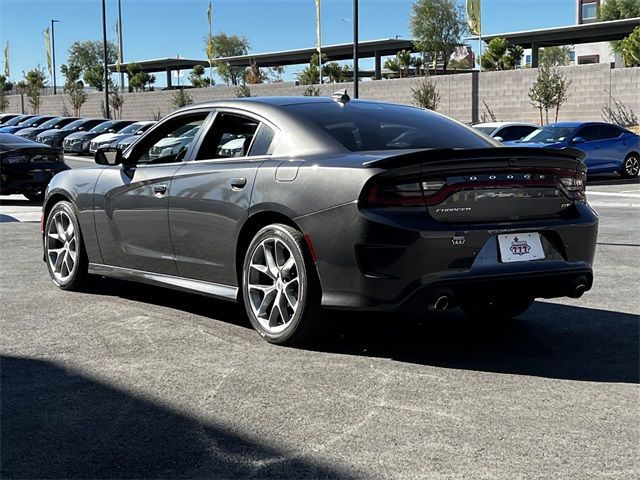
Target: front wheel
point(630, 166)
point(64, 250)
point(280, 286)
point(496, 309)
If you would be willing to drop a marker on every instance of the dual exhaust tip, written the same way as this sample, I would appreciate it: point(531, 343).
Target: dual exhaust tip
point(443, 301)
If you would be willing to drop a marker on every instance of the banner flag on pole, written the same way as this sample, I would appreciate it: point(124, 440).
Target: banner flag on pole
point(47, 44)
point(474, 17)
point(118, 59)
point(318, 30)
point(6, 61)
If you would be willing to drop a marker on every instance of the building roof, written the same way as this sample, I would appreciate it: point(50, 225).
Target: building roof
point(343, 51)
point(571, 35)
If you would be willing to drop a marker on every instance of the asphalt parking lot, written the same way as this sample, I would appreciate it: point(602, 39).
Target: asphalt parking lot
point(126, 380)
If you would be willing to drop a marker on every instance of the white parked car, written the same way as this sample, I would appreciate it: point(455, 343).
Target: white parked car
point(107, 140)
point(506, 131)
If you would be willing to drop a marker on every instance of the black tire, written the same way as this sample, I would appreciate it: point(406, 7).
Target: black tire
point(495, 309)
point(35, 195)
point(77, 275)
point(305, 319)
point(630, 166)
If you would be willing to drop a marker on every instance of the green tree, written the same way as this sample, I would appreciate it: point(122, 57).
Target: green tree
point(311, 74)
point(88, 56)
point(404, 61)
point(393, 66)
point(630, 49)
point(618, 10)
point(501, 55)
point(5, 86)
point(426, 94)
point(242, 91)
point(311, 91)
point(223, 45)
point(549, 91)
point(275, 74)
point(437, 26)
point(418, 64)
point(337, 73)
point(139, 80)
point(254, 74)
point(74, 87)
point(197, 78)
point(116, 101)
point(555, 56)
point(33, 83)
point(181, 98)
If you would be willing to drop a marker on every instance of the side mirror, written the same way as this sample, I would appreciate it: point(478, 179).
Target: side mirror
point(80, 128)
point(57, 126)
point(578, 140)
point(498, 139)
point(139, 132)
point(108, 156)
point(111, 130)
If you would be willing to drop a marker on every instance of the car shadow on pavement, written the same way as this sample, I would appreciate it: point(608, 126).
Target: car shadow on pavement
point(549, 340)
point(59, 423)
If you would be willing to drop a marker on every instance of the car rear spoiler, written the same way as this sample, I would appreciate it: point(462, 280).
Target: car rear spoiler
point(447, 155)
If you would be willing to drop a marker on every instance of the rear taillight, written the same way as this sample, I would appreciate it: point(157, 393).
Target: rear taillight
point(395, 194)
point(574, 185)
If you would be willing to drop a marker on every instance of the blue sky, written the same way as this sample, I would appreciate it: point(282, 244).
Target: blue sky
point(166, 28)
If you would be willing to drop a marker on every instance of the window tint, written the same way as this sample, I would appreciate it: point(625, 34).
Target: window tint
point(609, 131)
point(373, 126)
point(170, 142)
point(510, 133)
point(230, 136)
point(549, 134)
point(262, 141)
point(589, 133)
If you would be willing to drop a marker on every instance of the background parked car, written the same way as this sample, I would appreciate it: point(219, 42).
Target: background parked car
point(32, 132)
point(174, 144)
point(26, 167)
point(107, 140)
point(125, 142)
point(5, 117)
point(79, 141)
point(17, 120)
point(55, 137)
point(506, 131)
point(609, 148)
point(31, 122)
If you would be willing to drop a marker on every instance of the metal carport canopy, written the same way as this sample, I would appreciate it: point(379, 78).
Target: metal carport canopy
point(570, 35)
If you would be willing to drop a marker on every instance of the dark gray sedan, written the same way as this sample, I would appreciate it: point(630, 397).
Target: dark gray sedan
point(294, 204)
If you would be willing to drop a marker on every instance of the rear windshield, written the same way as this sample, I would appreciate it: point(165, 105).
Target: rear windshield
point(549, 135)
point(366, 126)
point(74, 125)
point(485, 130)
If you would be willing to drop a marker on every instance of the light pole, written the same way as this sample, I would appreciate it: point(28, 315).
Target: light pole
point(104, 53)
point(355, 48)
point(120, 44)
point(53, 53)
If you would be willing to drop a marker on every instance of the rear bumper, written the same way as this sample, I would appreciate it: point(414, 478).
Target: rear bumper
point(400, 260)
point(24, 178)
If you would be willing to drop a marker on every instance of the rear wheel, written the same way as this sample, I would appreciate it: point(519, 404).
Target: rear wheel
point(631, 166)
point(495, 309)
point(64, 250)
point(280, 286)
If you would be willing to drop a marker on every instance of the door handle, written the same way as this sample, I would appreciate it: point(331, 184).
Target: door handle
point(159, 190)
point(238, 183)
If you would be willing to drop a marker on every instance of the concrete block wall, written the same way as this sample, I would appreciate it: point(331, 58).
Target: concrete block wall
point(462, 95)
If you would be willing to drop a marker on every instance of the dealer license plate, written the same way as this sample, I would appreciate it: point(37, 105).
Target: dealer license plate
point(520, 247)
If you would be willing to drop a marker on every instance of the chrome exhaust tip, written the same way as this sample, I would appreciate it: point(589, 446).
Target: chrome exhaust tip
point(579, 290)
point(440, 304)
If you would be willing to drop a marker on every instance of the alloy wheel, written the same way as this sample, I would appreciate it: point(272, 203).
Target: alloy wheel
point(274, 285)
point(631, 166)
point(62, 246)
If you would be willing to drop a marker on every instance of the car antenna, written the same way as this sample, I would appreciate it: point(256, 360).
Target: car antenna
point(341, 97)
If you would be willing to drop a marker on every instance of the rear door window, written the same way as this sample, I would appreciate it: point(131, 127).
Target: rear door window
point(590, 133)
point(229, 137)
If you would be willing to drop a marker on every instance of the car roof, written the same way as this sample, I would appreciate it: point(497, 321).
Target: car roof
point(9, 140)
point(504, 124)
